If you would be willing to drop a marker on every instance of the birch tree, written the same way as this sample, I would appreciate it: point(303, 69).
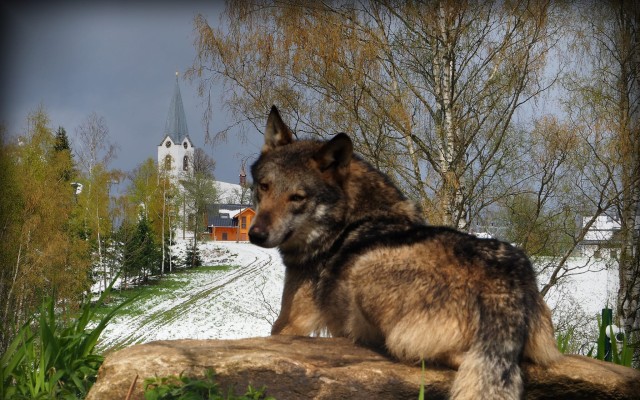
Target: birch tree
point(40, 254)
point(428, 90)
point(168, 215)
point(199, 191)
point(606, 101)
point(94, 153)
point(152, 190)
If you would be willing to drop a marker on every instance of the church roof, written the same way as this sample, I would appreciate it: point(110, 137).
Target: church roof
point(176, 125)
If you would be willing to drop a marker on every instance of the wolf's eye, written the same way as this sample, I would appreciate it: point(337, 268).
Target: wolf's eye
point(296, 197)
point(263, 187)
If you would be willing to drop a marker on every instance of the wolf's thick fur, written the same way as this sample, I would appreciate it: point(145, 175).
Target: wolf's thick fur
point(361, 263)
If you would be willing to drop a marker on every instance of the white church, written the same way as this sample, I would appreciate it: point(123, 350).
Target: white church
point(175, 152)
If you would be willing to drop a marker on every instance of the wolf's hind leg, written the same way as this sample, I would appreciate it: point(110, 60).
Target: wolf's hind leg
point(433, 338)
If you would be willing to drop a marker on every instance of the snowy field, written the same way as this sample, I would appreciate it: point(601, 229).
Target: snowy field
point(244, 300)
point(238, 303)
point(592, 286)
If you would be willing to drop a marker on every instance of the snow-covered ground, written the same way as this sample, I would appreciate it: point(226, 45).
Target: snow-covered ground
point(576, 301)
point(591, 286)
point(241, 302)
point(228, 192)
point(244, 300)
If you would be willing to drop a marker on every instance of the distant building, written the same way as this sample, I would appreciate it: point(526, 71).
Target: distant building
point(601, 240)
point(175, 152)
point(229, 222)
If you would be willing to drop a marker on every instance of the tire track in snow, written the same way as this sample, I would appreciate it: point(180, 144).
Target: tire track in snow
point(170, 315)
point(145, 327)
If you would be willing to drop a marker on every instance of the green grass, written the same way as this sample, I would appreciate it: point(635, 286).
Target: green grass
point(186, 388)
point(621, 353)
point(53, 356)
point(421, 393)
point(563, 341)
point(211, 268)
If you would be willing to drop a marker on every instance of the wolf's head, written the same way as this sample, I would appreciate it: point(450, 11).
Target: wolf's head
point(298, 188)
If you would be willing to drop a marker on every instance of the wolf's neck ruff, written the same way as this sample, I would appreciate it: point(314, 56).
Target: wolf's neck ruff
point(361, 263)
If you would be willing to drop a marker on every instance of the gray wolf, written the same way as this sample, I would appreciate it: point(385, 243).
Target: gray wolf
point(361, 263)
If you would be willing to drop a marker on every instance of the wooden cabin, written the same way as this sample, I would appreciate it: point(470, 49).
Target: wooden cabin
point(229, 222)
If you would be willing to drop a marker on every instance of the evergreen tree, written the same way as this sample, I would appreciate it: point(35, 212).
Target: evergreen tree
point(63, 151)
point(151, 188)
point(62, 140)
point(141, 255)
point(193, 258)
point(125, 239)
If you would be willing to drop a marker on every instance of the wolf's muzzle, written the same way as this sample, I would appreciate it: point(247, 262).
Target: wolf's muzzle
point(257, 235)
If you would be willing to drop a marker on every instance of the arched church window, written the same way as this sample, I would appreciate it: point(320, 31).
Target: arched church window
point(185, 144)
point(167, 162)
point(168, 144)
point(185, 163)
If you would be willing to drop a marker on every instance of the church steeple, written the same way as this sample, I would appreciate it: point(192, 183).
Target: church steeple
point(175, 152)
point(176, 125)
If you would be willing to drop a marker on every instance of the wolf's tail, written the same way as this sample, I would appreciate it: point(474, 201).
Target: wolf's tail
point(508, 333)
point(491, 367)
point(485, 375)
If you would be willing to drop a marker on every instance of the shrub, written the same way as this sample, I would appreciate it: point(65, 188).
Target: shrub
point(192, 258)
point(56, 359)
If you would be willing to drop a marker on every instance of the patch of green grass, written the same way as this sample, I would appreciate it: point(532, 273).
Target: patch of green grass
point(208, 268)
point(185, 388)
point(563, 341)
point(157, 287)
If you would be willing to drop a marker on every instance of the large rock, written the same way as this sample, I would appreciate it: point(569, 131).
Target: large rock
point(320, 368)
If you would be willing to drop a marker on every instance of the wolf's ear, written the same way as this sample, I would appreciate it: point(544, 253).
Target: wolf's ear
point(335, 155)
point(277, 132)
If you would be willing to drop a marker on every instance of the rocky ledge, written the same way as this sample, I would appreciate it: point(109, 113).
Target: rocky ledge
point(331, 368)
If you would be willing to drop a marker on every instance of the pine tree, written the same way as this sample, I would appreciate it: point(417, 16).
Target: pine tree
point(125, 238)
point(193, 258)
point(62, 140)
point(63, 151)
point(141, 257)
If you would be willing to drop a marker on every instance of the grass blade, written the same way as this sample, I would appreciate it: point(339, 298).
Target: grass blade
point(421, 394)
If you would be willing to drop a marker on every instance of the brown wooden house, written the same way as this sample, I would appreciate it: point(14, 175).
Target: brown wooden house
point(229, 222)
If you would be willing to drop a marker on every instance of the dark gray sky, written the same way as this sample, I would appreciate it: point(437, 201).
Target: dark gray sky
point(117, 59)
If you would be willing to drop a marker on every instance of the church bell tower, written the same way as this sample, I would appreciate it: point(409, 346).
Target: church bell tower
point(175, 152)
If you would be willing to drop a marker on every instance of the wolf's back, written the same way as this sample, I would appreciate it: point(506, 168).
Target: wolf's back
point(448, 297)
point(361, 262)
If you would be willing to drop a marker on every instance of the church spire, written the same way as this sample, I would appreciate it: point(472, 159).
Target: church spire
point(176, 125)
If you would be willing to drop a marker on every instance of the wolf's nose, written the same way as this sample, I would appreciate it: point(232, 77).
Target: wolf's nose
point(257, 235)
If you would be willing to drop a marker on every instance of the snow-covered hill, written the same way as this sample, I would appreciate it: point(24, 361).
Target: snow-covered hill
point(229, 193)
point(241, 302)
point(245, 300)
